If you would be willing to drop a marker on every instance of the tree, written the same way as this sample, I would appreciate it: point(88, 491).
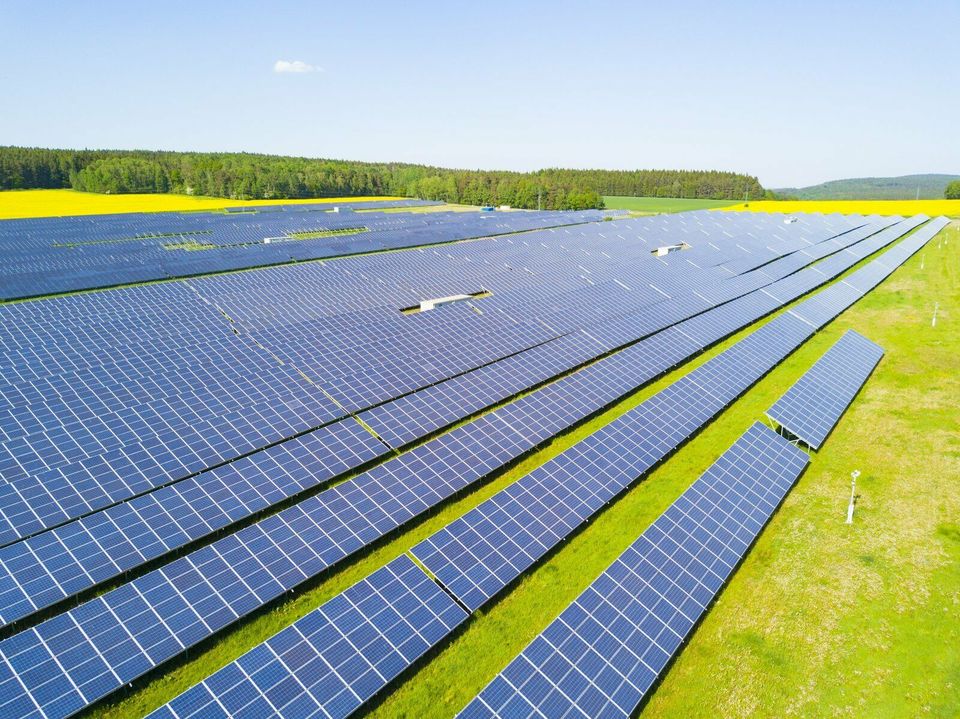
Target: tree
point(245, 175)
point(953, 191)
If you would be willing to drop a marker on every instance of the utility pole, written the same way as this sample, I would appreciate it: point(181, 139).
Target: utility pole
point(918, 192)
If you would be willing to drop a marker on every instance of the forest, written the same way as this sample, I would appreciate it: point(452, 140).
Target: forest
point(254, 176)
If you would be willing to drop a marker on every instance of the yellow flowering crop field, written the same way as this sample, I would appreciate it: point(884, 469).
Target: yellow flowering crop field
point(55, 203)
point(933, 208)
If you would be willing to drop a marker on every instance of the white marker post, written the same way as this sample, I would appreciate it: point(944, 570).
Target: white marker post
point(853, 495)
point(933, 322)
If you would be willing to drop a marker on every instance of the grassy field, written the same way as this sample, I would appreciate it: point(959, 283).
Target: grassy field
point(821, 620)
point(55, 203)
point(950, 208)
point(654, 205)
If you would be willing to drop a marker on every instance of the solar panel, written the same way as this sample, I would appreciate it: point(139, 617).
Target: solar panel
point(811, 407)
point(334, 659)
point(604, 652)
point(53, 565)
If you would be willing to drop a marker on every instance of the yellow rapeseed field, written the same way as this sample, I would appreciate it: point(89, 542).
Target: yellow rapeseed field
point(950, 208)
point(54, 203)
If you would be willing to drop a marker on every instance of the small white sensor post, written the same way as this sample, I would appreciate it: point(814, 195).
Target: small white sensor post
point(853, 495)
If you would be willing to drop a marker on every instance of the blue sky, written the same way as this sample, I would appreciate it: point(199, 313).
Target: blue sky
point(794, 93)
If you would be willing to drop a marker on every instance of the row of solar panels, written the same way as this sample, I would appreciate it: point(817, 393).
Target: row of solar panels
point(44, 259)
point(81, 436)
point(106, 543)
point(90, 635)
point(604, 651)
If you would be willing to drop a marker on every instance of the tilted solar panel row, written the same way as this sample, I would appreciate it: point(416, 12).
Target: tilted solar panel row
point(606, 649)
point(812, 407)
point(310, 668)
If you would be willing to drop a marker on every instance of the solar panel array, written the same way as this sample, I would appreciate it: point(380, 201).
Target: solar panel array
point(813, 406)
point(67, 439)
point(478, 555)
point(592, 288)
point(52, 566)
point(52, 255)
point(604, 652)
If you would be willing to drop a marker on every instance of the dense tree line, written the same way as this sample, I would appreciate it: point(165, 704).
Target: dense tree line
point(691, 184)
point(244, 176)
point(952, 191)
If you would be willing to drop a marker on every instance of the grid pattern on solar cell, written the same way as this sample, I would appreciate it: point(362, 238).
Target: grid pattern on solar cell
point(535, 418)
point(334, 659)
point(181, 593)
point(811, 407)
point(604, 652)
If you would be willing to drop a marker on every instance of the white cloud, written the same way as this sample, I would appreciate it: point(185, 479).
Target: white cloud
point(296, 66)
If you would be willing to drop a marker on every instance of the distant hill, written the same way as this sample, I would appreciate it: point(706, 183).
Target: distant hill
point(874, 188)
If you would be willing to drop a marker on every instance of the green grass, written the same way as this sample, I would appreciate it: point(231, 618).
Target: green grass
point(821, 620)
point(653, 205)
point(190, 246)
point(318, 234)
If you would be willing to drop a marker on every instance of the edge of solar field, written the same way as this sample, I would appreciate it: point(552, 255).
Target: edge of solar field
point(355, 470)
point(859, 265)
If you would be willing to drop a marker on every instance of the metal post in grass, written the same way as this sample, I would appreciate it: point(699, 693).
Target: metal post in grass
point(936, 306)
point(853, 495)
